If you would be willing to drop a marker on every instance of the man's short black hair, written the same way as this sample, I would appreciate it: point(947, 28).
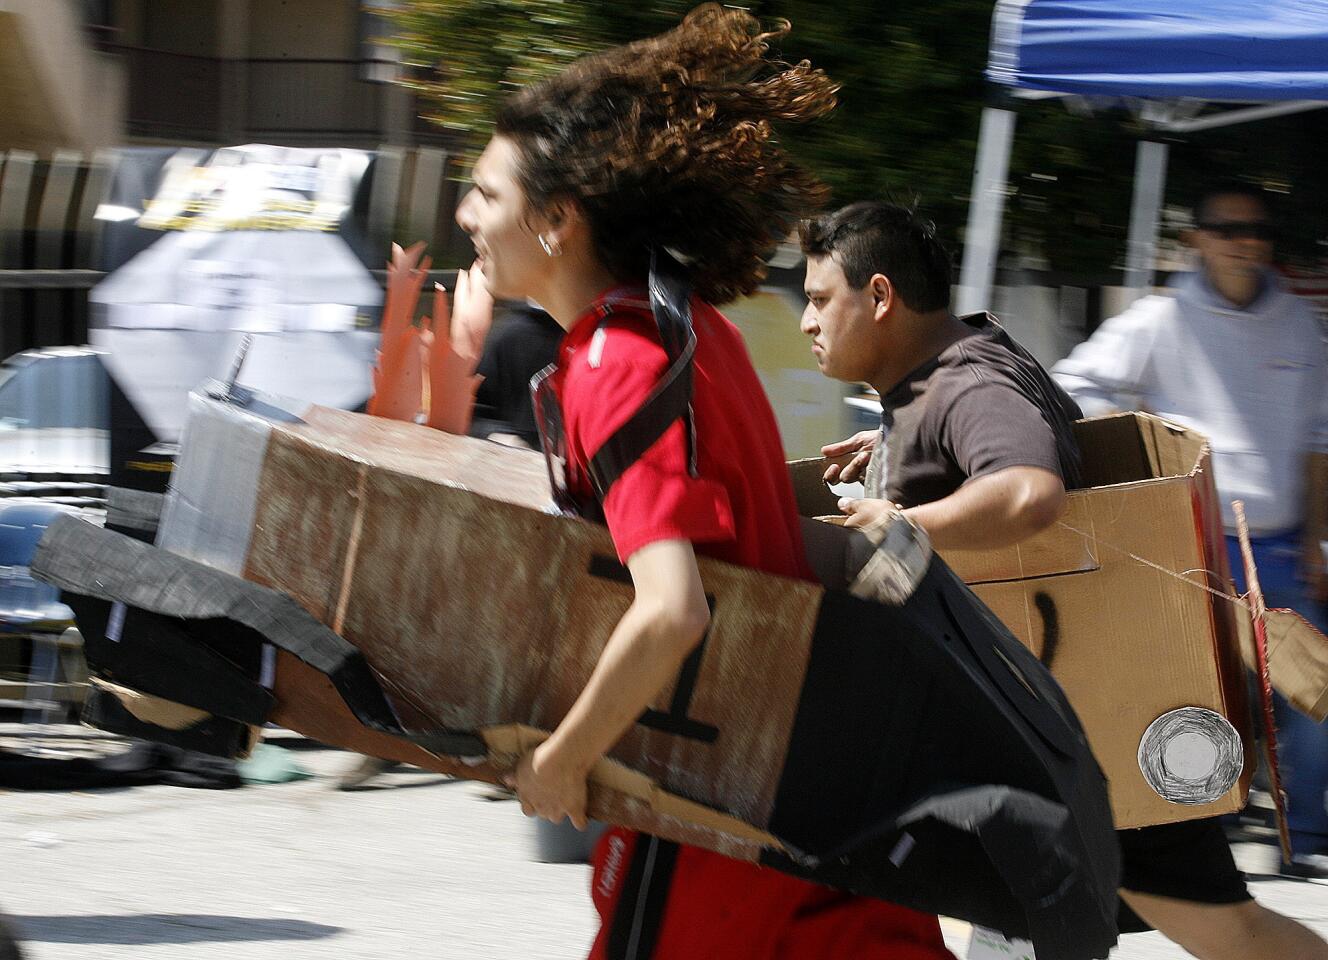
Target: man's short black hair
point(872, 237)
point(1229, 188)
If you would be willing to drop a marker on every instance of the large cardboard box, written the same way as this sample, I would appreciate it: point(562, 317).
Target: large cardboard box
point(1125, 599)
point(423, 580)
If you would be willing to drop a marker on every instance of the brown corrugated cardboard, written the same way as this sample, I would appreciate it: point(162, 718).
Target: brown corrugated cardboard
point(814, 498)
point(1115, 599)
point(1297, 660)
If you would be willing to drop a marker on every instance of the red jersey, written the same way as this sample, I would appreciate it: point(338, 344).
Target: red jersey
point(665, 901)
point(740, 506)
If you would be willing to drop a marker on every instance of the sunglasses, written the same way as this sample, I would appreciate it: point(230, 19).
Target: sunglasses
point(1240, 229)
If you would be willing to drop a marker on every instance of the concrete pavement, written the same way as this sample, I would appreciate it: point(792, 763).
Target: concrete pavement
point(417, 866)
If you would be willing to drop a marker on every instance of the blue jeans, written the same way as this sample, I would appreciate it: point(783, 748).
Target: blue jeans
point(1302, 744)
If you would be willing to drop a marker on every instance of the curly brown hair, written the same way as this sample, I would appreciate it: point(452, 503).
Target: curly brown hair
point(669, 142)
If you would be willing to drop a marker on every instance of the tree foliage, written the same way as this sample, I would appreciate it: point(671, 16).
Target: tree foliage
point(907, 126)
point(467, 55)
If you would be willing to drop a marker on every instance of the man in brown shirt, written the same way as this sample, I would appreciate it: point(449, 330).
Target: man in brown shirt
point(976, 447)
point(979, 447)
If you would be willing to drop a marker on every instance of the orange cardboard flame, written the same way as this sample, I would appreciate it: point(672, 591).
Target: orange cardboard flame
point(426, 372)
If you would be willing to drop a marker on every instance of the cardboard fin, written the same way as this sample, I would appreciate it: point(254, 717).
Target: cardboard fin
point(1258, 613)
point(1297, 660)
point(398, 377)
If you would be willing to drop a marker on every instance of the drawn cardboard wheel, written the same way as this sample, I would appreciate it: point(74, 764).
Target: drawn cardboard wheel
point(1191, 755)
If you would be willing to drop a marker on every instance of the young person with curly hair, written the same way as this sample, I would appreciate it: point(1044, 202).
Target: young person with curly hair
point(597, 183)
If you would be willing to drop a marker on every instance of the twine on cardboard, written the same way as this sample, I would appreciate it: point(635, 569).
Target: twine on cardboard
point(1231, 598)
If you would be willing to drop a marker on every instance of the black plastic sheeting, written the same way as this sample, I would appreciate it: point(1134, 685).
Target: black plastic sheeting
point(957, 782)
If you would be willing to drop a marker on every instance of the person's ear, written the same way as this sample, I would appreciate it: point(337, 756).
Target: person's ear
point(883, 296)
point(563, 217)
point(1190, 238)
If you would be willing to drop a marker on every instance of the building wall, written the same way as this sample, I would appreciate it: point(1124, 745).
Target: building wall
point(304, 29)
point(272, 71)
point(297, 29)
point(180, 26)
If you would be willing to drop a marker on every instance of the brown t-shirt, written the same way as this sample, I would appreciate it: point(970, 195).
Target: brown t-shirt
point(981, 405)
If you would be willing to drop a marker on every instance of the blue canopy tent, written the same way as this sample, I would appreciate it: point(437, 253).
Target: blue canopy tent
point(1184, 65)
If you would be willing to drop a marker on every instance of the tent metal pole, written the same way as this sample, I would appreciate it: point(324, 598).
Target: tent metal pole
point(1244, 115)
point(1150, 174)
point(982, 238)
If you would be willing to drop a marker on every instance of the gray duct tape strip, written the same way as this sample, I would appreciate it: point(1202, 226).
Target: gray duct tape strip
point(209, 511)
point(893, 570)
point(133, 509)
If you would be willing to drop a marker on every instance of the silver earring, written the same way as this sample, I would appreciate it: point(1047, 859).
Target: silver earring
point(551, 248)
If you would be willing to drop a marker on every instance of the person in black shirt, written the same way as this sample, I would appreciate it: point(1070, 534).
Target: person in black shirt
point(523, 344)
point(976, 447)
